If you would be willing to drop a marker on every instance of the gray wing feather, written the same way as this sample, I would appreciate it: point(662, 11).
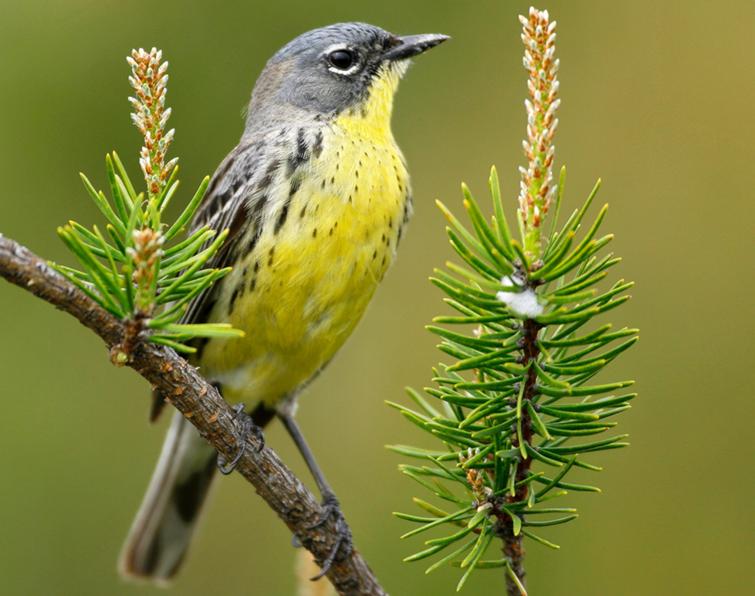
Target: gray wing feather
point(235, 194)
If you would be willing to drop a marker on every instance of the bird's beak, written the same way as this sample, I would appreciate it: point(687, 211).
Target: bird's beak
point(413, 45)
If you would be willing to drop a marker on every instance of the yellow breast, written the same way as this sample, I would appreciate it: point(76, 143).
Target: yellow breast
point(299, 294)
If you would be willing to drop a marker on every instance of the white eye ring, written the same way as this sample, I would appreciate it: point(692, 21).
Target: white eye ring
point(355, 66)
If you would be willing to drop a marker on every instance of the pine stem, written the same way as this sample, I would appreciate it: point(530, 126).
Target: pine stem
point(513, 549)
point(537, 190)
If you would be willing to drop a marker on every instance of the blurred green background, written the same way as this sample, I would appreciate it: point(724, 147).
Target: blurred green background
point(657, 100)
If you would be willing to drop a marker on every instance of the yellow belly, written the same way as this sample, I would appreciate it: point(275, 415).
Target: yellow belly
point(299, 294)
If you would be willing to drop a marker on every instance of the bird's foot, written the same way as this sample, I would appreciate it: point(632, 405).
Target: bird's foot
point(244, 428)
point(343, 543)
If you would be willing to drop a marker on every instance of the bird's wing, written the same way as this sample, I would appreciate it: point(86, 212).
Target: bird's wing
point(224, 207)
point(234, 196)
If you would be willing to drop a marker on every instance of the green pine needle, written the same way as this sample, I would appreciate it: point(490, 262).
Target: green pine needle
point(139, 270)
point(483, 384)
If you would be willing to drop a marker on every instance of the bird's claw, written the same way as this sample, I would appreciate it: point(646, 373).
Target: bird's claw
point(244, 428)
point(343, 543)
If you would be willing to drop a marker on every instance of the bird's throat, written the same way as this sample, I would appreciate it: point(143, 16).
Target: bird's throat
point(371, 118)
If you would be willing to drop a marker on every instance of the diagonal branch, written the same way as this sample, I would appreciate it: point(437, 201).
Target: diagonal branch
point(204, 407)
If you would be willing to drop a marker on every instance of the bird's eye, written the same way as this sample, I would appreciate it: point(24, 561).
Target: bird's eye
point(341, 59)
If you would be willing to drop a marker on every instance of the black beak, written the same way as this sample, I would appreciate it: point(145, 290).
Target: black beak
point(413, 45)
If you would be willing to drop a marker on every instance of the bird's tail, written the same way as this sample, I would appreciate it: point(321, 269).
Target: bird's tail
point(161, 532)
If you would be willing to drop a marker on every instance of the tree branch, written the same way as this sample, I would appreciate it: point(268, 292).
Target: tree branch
point(204, 407)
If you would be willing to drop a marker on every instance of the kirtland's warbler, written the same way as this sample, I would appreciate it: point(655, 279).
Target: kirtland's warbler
point(315, 196)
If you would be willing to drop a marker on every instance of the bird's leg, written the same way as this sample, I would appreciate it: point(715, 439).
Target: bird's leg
point(244, 427)
point(330, 505)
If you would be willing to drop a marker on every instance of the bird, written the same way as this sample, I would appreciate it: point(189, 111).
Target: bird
point(315, 198)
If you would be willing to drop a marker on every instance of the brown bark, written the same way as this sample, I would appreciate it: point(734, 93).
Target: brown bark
point(205, 408)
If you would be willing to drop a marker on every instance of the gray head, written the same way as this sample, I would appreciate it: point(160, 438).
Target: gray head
point(327, 70)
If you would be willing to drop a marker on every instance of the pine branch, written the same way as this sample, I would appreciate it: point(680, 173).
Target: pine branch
point(138, 270)
point(513, 549)
point(524, 347)
point(204, 407)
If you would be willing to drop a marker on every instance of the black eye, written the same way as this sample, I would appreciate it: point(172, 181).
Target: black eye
point(341, 59)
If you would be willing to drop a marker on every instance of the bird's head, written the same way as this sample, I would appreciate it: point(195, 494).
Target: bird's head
point(343, 70)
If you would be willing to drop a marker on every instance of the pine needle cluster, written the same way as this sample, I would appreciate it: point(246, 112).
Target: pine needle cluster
point(517, 409)
point(140, 269)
